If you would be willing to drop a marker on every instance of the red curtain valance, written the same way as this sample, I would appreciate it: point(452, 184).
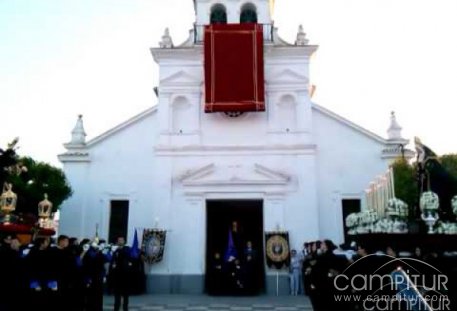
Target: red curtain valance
point(234, 77)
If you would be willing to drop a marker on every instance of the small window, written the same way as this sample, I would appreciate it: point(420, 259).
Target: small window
point(218, 14)
point(248, 14)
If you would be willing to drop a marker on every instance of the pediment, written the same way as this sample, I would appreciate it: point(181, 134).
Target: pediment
point(287, 76)
point(234, 175)
point(181, 77)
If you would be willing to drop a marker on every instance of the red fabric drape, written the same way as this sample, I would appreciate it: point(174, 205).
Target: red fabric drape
point(234, 77)
point(21, 229)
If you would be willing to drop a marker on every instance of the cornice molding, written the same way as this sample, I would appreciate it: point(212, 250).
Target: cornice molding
point(69, 157)
point(198, 150)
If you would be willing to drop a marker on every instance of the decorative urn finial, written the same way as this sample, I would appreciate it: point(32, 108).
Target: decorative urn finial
point(78, 135)
point(167, 42)
point(301, 37)
point(394, 130)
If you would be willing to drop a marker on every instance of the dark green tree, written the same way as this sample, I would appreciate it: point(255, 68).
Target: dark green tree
point(449, 163)
point(40, 178)
point(405, 180)
point(8, 162)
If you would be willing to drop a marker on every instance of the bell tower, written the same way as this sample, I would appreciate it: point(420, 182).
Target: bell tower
point(235, 11)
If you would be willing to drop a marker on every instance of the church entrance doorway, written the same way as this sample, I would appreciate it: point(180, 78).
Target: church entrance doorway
point(234, 247)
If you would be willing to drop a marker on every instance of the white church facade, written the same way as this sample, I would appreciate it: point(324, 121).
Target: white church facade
point(171, 166)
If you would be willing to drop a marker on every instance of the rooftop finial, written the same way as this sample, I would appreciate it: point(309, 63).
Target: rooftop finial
point(78, 135)
point(301, 36)
point(394, 130)
point(167, 42)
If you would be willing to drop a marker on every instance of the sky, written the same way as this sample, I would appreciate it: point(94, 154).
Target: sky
point(61, 58)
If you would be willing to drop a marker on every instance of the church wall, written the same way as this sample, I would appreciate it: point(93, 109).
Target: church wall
point(121, 168)
point(301, 206)
point(347, 161)
point(292, 207)
point(246, 130)
point(72, 213)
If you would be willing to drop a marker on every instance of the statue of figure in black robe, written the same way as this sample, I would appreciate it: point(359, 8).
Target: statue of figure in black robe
point(432, 176)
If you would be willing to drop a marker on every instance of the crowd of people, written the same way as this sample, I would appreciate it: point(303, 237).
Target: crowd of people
point(317, 271)
point(66, 274)
point(236, 274)
point(236, 268)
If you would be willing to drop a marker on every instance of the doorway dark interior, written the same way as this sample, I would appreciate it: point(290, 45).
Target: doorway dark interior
point(227, 276)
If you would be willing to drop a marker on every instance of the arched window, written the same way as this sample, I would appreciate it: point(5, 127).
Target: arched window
point(218, 14)
point(287, 113)
point(248, 13)
point(180, 115)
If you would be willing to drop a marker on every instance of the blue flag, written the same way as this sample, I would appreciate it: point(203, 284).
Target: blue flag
point(231, 250)
point(135, 250)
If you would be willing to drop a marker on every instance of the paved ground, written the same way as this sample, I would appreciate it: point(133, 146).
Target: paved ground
point(203, 303)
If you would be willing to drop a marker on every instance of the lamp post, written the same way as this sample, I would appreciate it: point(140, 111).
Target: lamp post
point(44, 213)
point(8, 201)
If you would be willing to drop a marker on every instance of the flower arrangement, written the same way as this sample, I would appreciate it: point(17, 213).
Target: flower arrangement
point(396, 208)
point(446, 228)
point(386, 225)
point(429, 201)
point(352, 220)
point(369, 217)
point(361, 222)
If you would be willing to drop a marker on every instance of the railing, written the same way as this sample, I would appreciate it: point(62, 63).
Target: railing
point(199, 33)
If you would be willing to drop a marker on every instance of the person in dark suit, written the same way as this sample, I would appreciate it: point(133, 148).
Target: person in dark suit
point(93, 261)
point(250, 262)
point(12, 281)
point(328, 266)
point(216, 276)
point(65, 263)
point(308, 263)
point(120, 274)
point(42, 276)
